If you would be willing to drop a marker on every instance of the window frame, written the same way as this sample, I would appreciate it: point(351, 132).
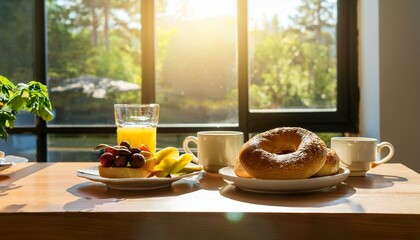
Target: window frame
point(345, 119)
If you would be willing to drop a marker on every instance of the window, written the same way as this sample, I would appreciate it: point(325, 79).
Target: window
point(220, 64)
point(197, 78)
point(17, 34)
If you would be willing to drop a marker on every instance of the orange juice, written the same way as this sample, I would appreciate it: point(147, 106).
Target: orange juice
point(138, 135)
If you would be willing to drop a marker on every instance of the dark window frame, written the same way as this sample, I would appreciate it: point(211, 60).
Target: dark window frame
point(345, 119)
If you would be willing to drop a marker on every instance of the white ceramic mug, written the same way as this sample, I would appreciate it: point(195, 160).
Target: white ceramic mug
point(360, 154)
point(215, 149)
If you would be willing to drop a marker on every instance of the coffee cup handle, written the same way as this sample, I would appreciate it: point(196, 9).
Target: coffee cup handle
point(388, 157)
point(187, 149)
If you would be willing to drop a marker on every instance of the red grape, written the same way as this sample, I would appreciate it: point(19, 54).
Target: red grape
point(107, 159)
point(111, 150)
point(125, 144)
point(137, 160)
point(135, 150)
point(121, 160)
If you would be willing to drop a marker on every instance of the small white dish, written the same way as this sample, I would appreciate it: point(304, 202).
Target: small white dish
point(283, 186)
point(10, 160)
point(131, 183)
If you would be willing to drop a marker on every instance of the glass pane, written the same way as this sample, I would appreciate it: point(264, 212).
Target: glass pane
point(17, 46)
point(173, 140)
point(94, 58)
point(292, 53)
point(79, 147)
point(76, 147)
point(196, 61)
point(22, 145)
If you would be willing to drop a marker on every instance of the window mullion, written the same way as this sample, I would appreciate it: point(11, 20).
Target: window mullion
point(40, 74)
point(243, 67)
point(148, 51)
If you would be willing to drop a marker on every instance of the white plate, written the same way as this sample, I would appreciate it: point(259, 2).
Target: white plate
point(10, 160)
point(283, 186)
point(131, 183)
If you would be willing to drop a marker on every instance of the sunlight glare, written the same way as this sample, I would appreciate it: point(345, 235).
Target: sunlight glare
point(199, 9)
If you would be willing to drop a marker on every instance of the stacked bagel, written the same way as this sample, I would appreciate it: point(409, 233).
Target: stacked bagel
point(286, 153)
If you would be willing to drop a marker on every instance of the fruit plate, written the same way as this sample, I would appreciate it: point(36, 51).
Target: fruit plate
point(131, 183)
point(10, 160)
point(283, 186)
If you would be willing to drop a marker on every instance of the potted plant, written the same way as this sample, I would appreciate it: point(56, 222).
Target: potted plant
point(32, 97)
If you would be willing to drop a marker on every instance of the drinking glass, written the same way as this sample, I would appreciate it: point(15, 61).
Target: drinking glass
point(137, 123)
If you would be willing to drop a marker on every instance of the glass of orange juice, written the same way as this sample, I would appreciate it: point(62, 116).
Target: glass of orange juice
point(137, 123)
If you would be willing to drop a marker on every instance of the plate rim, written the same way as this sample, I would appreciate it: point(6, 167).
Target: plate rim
point(150, 183)
point(9, 159)
point(249, 184)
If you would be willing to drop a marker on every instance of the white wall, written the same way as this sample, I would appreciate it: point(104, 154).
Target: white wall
point(369, 68)
point(390, 75)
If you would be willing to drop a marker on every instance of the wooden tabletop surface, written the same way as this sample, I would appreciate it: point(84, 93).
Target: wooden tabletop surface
point(46, 200)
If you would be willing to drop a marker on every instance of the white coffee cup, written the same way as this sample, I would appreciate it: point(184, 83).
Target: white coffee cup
point(360, 154)
point(215, 149)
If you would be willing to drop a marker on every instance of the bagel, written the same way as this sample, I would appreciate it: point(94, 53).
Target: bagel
point(331, 166)
point(281, 153)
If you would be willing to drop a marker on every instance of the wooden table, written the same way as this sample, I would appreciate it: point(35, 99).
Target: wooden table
point(48, 201)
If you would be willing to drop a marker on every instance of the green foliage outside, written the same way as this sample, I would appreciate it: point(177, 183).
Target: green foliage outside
point(290, 67)
point(16, 38)
point(78, 44)
point(295, 67)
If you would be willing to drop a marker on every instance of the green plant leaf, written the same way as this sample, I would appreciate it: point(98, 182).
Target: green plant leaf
point(6, 86)
point(32, 97)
